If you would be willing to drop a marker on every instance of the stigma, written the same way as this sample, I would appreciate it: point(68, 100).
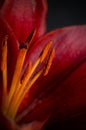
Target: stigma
point(20, 85)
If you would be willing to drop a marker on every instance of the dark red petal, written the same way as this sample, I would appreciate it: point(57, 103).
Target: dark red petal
point(24, 15)
point(40, 16)
point(35, 125)
point(7, 124)
point(61, 94)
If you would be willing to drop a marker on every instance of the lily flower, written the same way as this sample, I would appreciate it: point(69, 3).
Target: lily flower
point(42, 76)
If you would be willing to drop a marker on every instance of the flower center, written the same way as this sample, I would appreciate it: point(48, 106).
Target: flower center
point(12, 100)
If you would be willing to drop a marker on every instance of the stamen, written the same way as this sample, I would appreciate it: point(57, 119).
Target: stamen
point(14, 98)
point(17, 72)
point(49, 61)
point(27, 71)
point(28, 75)
point(45, 51)
point(15, 108)
point(4, 70)
point(30, 38)
point(23, 93)
point(21, 85)
point(24, 83)
point(19, 65)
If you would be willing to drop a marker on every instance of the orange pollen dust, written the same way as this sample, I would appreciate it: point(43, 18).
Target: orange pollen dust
point(20, 86)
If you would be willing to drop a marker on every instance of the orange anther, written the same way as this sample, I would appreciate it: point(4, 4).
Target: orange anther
point(45, 50)
point(49, 61)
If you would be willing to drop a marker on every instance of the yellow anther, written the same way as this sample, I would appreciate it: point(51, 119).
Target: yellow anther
point(45, 50)
point(4, 69)
point(49, 61)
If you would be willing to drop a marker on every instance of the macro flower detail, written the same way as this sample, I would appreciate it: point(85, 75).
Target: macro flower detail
point(20, 86)
point(42, 76)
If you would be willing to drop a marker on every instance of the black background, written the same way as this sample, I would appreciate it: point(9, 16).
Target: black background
point(60, 16)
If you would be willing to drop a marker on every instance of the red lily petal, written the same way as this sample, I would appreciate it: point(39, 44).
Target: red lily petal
point(24, 15)
point(35, 125)
point(7, 124)
point(61, 94)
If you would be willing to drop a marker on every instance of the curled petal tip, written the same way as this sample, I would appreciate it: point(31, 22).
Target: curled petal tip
point(24, 15)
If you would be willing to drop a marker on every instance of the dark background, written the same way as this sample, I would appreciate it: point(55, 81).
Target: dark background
point(59, 15)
